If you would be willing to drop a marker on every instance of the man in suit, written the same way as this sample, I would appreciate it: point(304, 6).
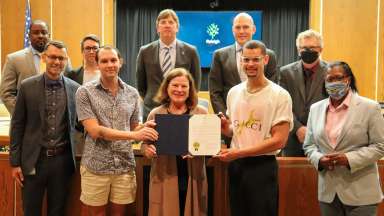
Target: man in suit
point(89, 70)
point(304, 80)
point(24, 63)
point(156, 58)
point(225, 69)
point(41, 139)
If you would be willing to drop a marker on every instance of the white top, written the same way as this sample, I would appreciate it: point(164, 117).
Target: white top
point(88, 77)
point(242, 74)
point(253, 115)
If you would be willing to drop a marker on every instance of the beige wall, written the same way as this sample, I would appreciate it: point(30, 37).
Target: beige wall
point(352, 34)
point(69, 21)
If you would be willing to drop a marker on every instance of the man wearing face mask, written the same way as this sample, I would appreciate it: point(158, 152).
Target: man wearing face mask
point(304, 80)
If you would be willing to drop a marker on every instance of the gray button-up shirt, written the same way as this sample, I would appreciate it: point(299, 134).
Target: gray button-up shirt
point(56, 132)
point(93, 101)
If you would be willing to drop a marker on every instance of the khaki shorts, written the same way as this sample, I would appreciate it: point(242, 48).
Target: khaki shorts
point(97, 189)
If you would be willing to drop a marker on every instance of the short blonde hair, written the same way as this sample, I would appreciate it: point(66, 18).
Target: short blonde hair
point(310, 33)
point(167, 13)
point(162, 96)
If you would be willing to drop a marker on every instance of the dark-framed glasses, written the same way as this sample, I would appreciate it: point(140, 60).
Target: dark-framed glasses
point(89, 49)
point(54, 58)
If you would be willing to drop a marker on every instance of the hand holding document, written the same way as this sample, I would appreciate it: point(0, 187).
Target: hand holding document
point(204, 135)
point(183, 134)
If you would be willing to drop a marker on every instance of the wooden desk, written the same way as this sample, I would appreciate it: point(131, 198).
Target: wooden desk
point(297, 189)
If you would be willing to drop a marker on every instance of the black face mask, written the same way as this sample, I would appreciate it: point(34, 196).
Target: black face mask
point(308, 56)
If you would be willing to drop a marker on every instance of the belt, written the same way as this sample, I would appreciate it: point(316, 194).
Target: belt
point(51, 152)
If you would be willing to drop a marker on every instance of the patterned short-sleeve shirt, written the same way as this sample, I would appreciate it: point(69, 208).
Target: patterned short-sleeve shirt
point(93, 101)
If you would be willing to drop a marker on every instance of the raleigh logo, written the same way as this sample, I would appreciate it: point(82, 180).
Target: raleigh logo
point(212, 30)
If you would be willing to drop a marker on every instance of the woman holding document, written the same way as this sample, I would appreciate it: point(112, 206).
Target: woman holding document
point(178, 184)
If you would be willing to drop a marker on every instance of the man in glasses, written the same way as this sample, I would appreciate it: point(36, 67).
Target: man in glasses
point(24, 63)
point(89, 71)
point(225, 70)
point(260, 117)
point(304, 80)
point(42, 148)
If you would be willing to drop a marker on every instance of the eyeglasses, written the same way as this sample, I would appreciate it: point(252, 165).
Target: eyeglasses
point(54, 58)
point(335, 78)
point(248, 60)
point(309, 47)
point(89, 49)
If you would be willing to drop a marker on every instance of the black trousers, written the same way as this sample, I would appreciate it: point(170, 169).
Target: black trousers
point(253, 186)
point(53, 175)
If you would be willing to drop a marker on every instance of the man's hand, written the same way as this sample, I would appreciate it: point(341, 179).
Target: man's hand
point(300, 133)
point(17, 174)
point(225, 125)
point(228, 155)
point(150, 124)
point(145, 133)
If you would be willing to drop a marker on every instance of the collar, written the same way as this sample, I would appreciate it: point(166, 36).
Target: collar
point(344, 105)
point(163, 45)
point(313, 68)
point(53, 83)
point(238, 48)
point(35, 52)
point(100, 85)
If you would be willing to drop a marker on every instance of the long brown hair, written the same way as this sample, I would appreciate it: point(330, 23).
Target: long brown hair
point(162, 96)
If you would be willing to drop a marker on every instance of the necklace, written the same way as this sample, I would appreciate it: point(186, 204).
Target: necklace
point(257, 89)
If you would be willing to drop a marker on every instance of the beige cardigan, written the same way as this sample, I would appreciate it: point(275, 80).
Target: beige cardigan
point(163, 185)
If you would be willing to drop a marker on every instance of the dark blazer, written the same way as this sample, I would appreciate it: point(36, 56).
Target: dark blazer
point(149, 74)
point(224, 75)
point(292, 79)
point(28, 121)
point(76, 75)
point(18, 66)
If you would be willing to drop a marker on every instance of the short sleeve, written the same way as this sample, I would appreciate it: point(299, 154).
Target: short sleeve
point(284, 109)
point(83, 105)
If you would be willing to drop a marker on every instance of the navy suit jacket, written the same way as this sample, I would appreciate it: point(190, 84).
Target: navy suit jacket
point(28, 123)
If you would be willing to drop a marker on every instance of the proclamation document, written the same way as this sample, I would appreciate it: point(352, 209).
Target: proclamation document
point(204, 135)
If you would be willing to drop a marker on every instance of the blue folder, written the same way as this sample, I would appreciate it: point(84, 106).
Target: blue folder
point(173, 134)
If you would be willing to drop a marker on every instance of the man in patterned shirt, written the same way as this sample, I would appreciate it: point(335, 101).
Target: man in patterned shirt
point(108, 108)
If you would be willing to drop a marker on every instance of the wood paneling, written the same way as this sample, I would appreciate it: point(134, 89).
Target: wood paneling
point(12, 26)
point(69, 21)
point(40, 9)
point(108, 34)
point(7, 187)
point(350, 35)
point(315, 14)
point(297, 189)
point(380, 94)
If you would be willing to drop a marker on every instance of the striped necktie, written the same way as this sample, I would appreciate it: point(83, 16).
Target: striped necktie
point(167, 62)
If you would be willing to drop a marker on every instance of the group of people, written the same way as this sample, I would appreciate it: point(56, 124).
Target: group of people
point(311, 105)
